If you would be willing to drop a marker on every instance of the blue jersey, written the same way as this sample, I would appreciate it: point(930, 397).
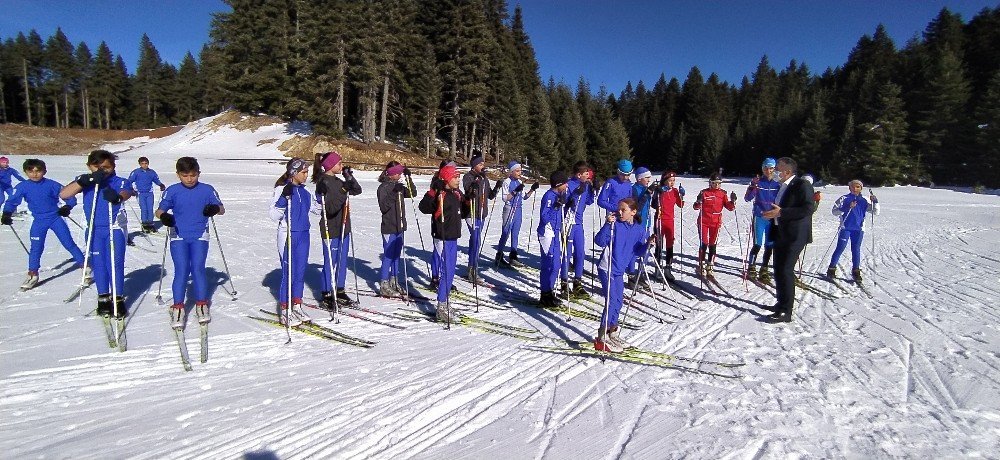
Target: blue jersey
point(188, 204)
point(301, 207)
point(517, 200)
point(763, 195)
point(580, 201)
point(42, 197)
point(612, 192)
point(630, 242)
point(854, 219)
point(645, 199)
point(143, 179)
point(551, 213)
point(6, 174)
point(100, 216)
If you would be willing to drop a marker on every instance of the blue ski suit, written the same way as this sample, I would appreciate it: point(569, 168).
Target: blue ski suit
point(612, 192)
point(550, 228)
point(852, 226)
point(43, 202)
point(5, 182)
point(142, 181)
point(107, 221)
point(189, 237)
point(629, 243)
point(581, 195)
point(301, 205)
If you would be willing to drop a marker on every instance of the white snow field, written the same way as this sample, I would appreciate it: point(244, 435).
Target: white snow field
point(912, 372)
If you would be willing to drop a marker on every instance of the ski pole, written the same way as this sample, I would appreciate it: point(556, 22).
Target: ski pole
point(288, 263)
point(531, 219)
point(354, 259)
point(71, 219)
point(163, 268)
point(328, 253)
point(19, 240)
point(871, 203)
point(607, 288)
point(89, 242)
point(223, 253)
point(486, 230)
point(745, 284)
point(593, 246)
point(402, 251)
point(682, 224)
point(416, 218)
point(111, 259)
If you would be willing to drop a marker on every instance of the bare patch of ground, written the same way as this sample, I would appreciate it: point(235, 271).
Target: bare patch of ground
point(36, 140)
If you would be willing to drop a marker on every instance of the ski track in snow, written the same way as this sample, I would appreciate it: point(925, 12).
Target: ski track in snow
point(912, 372)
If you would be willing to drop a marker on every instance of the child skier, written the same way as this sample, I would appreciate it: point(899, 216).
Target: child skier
point(42, 196)
point(642, 191)
point(142, 179)
point(6, 173)
point(390, 201)
point(436, 184)
point(580, 189)
point(624, 239)
point(616, 188)
point(291, 205)
point(103, 195)
point(762, 191)
point(476, 181)
point(550, 231)
point(192, 203)
point(710, 202)
point(448, 206)
point(668, 197)
point(333, 192)
point(513, 201)
point(852, 210)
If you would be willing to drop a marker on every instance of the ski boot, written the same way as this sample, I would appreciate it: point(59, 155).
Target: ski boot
point(579, 292)
point(710, 270)
point(122, 309)
point(752, 272)
point(104, 307)
point(701, 269)
point(202, 310)
point(500, 262)
point(613, 335)
point(403, 292)
point(385, 289)
point(513, 261)
point(88, 276)
point(286, 318)
point(856, 273)
point(764, 276)
point(831, 272)
point(298, 313)
point(176, 316)
point(668, 274)
point(343, 299)
point(564, 289)
point(445, 314)
point(30, 282)
point(603, 342)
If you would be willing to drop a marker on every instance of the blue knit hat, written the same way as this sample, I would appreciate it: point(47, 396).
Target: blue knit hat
point(769, 163)
point(513, 165)
point(642, 171)
point(624, 167)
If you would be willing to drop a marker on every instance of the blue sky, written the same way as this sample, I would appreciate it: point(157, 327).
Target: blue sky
point(606, 42)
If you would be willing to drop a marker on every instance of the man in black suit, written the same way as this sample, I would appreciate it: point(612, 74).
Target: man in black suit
point(791, 219)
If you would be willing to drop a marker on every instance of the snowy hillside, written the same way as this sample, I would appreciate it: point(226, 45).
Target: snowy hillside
point(912, 372)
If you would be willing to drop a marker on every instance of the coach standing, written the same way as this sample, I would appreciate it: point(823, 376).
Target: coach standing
point(791, 217)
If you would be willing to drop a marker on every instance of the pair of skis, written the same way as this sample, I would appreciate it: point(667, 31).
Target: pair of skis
point(182, 345)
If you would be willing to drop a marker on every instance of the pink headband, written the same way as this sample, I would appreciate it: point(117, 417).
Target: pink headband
point(331, 160)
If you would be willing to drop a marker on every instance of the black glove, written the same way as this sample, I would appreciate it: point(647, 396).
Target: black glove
point(6, 219)
point(111, 196)
point(406, 171)
point(348, 173)
point(287, 190)
point(534, 186)
point(579, 190)
point(399, 188)
point(470, 192)
point(320, 188)
point(167, 219)
point(652, 189)
point(560, 201)
point(163, 187)
point(570, 204)
point(210, 210)
point(496, 188)
point(65, 210)
point(519, 188)
point(89, 180)
point(732, 196)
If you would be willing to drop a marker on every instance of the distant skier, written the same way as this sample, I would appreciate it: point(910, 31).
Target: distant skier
point(710, 202)
point(475, 181)
point(668, 197)
point(762, 191)
point(513, 204)
point(193, 203)
point(623, 239)
point(580, 190)
point(852, 209)
point(334, 191)
point(108, 226)
point(6, 173)
point(291, 205)
point(390, 202)
point(42, 196)
point(550, 232)
point(448, 206)
point(142, 179)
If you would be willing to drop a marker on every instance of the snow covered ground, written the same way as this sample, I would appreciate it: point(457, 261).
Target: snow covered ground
point(913, 372)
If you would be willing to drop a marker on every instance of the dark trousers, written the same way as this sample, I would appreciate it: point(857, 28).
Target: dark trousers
point(784, 275)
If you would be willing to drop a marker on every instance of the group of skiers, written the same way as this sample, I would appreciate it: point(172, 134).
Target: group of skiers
point(639, 217)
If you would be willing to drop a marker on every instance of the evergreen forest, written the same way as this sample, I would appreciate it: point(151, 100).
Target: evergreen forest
point(456, 78)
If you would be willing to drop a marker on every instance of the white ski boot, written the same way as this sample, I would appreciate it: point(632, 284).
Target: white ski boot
point(30, 282)
point(176, 316)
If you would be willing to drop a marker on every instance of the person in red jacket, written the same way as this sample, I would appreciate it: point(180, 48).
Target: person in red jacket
point(709, 204)
point(669, 196)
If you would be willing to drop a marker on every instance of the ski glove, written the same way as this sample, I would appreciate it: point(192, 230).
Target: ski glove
point(6, 219)
point(167, 219)
point(534, 186)
point(64, 210)
point(470, 193)
point(732, 196)
point(579, 190)
point(320, 188)
point(399, 188)
point(406, 171)
point(287, 190)
point(518, 189)
point(348, 173)
point(210, 210)
point(89, 180)
point(163, 187)
point(111, 196)
point(874, 200)
point(681, 191)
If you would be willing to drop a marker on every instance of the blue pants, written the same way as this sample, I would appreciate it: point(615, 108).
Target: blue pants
point(392, 248)
point(855, 236)
point(576, 252)
point(435, 270)
point(475, 234)
point(511, 228)
point(5, 191)
point(39, 229)
point(761, 227)
point(100, 260)
point(189, 256)
point(446, 256)
point(300, 258)
point(145, 207)
point(336, 256)
point(551, 263)
point(615, 295)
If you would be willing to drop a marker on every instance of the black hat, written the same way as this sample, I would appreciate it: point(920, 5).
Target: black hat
point(476, 160)
point(558, 178)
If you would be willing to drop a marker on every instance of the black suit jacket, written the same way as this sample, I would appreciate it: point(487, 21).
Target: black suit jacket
point(794, 225)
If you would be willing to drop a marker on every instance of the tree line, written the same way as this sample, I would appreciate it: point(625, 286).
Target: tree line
point(460, 78)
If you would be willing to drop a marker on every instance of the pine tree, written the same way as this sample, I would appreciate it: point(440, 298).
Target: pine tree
point(540, 151)
point(62, 71)
point(148, 84)
point(813, 143)
point(987, 122)
point(885, 156)
point(189, 90)
point(571, 144)
point(938, 136)
point(84, 72)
